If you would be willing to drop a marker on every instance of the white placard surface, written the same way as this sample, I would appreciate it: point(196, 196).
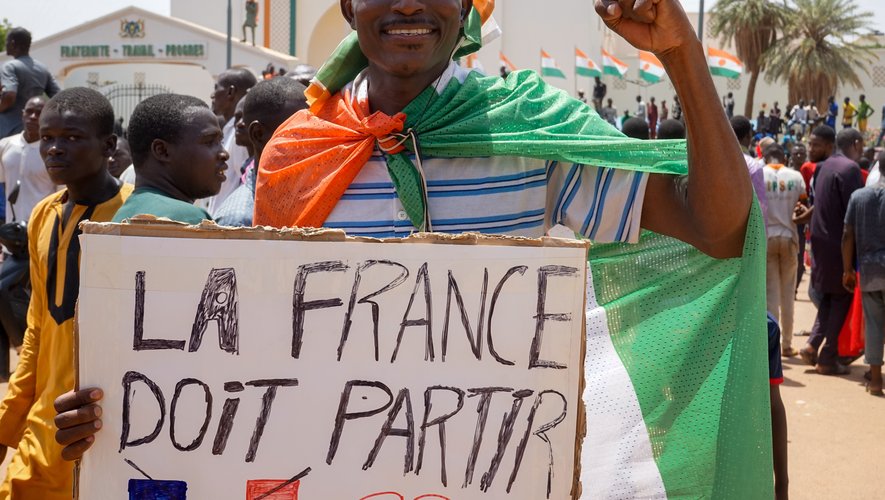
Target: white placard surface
point(318, 370)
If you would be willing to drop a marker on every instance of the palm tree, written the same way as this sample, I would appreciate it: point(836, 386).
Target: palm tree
point(752, 26)
point(821, 48)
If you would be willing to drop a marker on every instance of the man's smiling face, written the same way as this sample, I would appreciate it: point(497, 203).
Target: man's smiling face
point(407, 38)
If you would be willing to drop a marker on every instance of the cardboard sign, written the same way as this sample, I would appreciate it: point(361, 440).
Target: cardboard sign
point(285, 365)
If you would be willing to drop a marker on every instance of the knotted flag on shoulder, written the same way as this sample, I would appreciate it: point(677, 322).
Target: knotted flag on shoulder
point(677, 381)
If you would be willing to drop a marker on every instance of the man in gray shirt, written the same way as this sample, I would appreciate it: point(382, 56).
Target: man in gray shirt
point(863, 237)
point(21, 79)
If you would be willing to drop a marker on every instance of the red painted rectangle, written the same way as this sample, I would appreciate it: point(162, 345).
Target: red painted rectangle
point(257, 489)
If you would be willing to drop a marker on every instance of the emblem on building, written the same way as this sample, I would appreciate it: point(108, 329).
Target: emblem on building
point(132, 29)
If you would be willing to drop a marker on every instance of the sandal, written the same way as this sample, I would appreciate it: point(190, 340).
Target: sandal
point(789, 352)
point(874, 392)
point(809, 355)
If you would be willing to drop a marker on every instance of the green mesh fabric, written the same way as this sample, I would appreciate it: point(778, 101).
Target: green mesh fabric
point(691, 332)
point(518, 116)
point(523, 116)
point(409, 188)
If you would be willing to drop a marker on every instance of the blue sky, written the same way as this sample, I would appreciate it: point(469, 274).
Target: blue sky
point(45, 17)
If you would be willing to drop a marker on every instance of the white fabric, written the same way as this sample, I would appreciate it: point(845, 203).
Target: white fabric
point(784, 187)
point(617, 439)
point(641, 110)
point(128, 175)
point(874, 176)
point(20, 161)
point(237, 156)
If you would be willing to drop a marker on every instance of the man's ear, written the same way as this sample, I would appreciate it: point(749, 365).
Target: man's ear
point(347, 12)
point(159, 150)
point(256, 132)
point(110, 146)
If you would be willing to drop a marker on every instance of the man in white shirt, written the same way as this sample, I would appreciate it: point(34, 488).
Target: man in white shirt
point(230, 87)
point(784, 187)
point(641, 108)
point(812, 114)
point(21, 166)
point(799, 117)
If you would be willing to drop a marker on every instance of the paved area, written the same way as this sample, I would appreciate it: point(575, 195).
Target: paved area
point(836, 430)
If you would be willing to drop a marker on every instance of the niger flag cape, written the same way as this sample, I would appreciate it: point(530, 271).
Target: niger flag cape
point(677, 393)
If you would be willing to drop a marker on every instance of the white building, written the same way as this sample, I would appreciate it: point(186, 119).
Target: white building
point(133, 53)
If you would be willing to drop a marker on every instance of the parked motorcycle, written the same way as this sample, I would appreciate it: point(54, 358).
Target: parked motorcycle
point(15, 285)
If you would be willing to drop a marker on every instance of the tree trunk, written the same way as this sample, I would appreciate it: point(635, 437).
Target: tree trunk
point(751, 91)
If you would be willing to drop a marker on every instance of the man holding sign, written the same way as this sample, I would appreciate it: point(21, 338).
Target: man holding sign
point(399, 138)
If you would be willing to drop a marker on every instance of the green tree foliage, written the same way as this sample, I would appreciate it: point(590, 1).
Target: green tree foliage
point(752, 27)
point(5, 26)
point(822, 47)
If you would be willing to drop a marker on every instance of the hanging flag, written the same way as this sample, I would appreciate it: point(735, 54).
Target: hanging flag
point(472, 62)
point(549, 67)
point(504, 62)
point(584, 66)
point(611, 65)
point(724, 64)
point(650, 67)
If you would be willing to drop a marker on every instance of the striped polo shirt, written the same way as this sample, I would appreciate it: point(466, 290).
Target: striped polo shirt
point(496, 195)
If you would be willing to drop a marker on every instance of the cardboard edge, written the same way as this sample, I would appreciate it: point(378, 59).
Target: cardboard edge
point(581, 422)
point(76, 486)
point(146, 226)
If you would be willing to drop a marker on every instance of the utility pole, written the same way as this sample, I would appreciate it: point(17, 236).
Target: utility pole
point(701, 22)
point(229, 33)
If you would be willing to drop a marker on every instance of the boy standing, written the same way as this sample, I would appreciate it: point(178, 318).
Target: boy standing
point(76, 139)
point(178, 158)
point(864, 238)
point(784, 187)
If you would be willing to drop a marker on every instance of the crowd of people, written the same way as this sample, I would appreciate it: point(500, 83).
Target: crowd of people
point(234, 162)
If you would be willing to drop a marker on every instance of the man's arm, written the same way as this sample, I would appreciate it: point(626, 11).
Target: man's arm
point(709, 208)
point(849, 278)
point(779, 442)
point(7, 99)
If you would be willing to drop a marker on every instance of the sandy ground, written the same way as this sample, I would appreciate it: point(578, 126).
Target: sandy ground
point(836, 430)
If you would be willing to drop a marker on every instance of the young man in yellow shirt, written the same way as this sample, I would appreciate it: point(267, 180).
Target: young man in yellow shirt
point(76, 139)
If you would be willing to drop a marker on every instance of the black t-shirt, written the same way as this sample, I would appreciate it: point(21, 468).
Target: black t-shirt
point(599, 91)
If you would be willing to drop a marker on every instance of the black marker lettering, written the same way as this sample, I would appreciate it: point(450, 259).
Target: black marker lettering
point(343, 416)
point(543, 316)
point(475, 342)
point(482, 410)
point(388, 430)
point(425, 322)
point(208, 398)
point(138, 342)
point(441, 423)
point(513, 270)
point(299, 306)
point(399, 280)
point(218, 303)
point(541, 433)
point(128, 379)
point(504, 435)
point(266, 404)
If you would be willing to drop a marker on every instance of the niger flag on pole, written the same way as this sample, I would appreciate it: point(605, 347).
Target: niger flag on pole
point(724, 64)
point(611, 65)
point(650, 68)
point(506, 62)
point(584, 66)
point(549, 67)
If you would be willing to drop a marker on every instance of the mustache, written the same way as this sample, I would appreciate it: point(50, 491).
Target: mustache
point(409, 21)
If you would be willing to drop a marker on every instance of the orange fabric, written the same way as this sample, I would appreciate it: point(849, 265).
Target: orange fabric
point(313, 158)
point(485, 8)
